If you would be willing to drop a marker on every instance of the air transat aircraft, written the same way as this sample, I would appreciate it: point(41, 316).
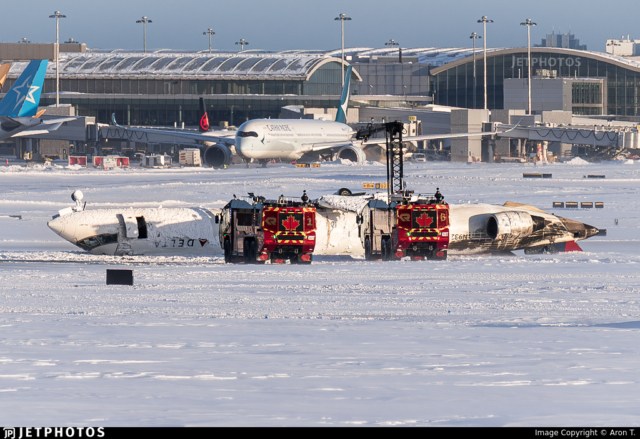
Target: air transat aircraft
point(473, 229)
point(288, 139)
point(19, 114)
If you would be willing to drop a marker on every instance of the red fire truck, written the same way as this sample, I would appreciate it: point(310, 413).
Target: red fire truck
point(416, 228)
point(256, 230)
point(401, 224)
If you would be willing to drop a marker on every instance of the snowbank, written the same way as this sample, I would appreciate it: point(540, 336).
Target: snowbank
point(577, 161)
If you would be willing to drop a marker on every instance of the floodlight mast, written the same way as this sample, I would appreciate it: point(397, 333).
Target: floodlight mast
point(210, 32)
point(242, 43)
point(484, 20)
point(474, 36)
point(144, 22)
point(342, 18)
point(392, 43)
point(529, 23)
point(57, 15)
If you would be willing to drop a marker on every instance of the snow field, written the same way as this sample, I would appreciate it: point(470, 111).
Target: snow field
point(473, 341)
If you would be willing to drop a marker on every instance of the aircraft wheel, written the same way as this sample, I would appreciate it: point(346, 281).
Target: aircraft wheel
point(367, 250)
point(227, 251)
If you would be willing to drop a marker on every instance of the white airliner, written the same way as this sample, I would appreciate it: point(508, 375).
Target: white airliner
point(289, 139)
point(474, 229)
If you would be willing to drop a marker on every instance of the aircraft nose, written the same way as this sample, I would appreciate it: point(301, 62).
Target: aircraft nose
point(57, 225)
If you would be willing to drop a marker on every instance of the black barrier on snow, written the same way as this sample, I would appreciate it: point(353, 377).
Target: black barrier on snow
point(119, 277)
point(559, 204)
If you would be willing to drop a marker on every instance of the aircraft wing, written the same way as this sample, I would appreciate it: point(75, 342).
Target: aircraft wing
point(57, 121)
point(31, 133)
point(227, 137)
point(40, 129)
point(382, 141)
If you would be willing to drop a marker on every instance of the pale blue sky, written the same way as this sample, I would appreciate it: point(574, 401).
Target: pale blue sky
point(306, 24)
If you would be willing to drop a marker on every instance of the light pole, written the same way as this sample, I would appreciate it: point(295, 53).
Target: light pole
point(144, 22)
point(210, 32)
point(392, 43)
point(342, 18)
point(474, 36)
point(242, 43)
point(484, 20)
point(529, 23)
point(57, 15)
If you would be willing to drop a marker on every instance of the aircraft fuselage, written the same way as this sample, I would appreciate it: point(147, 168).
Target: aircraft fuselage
point(476, 228)
point(285, 139)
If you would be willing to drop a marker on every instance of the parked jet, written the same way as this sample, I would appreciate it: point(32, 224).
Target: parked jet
point(289, 139)
point(474, 229)
point(19, 114)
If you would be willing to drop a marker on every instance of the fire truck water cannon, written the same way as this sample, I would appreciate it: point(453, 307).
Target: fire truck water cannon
point(255, 230)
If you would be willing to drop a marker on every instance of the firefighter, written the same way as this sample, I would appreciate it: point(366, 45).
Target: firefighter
point(438, 196)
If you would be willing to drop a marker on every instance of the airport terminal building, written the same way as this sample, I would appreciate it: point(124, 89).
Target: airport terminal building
point(163, 87)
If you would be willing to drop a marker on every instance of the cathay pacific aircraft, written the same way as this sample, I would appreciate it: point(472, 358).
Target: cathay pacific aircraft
point(289, 139)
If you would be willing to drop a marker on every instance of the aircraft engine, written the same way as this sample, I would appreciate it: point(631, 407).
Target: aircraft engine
point(217, 156)
point(511, 225)
point(352, 153)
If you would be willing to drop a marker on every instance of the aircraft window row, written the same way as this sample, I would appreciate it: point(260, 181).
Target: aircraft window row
point(95, 241)
point(247, 134)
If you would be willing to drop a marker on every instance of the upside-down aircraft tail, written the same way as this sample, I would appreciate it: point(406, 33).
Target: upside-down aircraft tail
point(23, 97)
point(344, 99)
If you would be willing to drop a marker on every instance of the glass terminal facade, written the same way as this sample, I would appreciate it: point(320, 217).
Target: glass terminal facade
point(453, 85)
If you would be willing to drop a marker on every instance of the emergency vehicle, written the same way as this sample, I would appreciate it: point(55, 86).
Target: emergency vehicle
point(256, 230)
point(417, 227)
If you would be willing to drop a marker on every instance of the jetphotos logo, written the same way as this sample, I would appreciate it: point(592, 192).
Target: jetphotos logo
point(545, 62)
point(53, 432)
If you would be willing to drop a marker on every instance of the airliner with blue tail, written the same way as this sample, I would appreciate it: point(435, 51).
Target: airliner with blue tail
point(19, 115)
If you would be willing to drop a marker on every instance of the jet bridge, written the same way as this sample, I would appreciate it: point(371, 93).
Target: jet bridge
point(574, 135)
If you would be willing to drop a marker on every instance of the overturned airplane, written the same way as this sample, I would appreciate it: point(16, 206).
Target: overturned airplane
point(469, 229)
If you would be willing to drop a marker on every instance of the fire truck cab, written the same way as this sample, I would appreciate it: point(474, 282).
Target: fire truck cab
point(257, 230)
point(417, 227)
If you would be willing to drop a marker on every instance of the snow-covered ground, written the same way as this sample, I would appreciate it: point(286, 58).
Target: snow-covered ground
point(473, 341)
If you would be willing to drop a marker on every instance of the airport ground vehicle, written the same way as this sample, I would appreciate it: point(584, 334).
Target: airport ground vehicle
point(417, 227)
point(400, 223)
point(256, 230)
